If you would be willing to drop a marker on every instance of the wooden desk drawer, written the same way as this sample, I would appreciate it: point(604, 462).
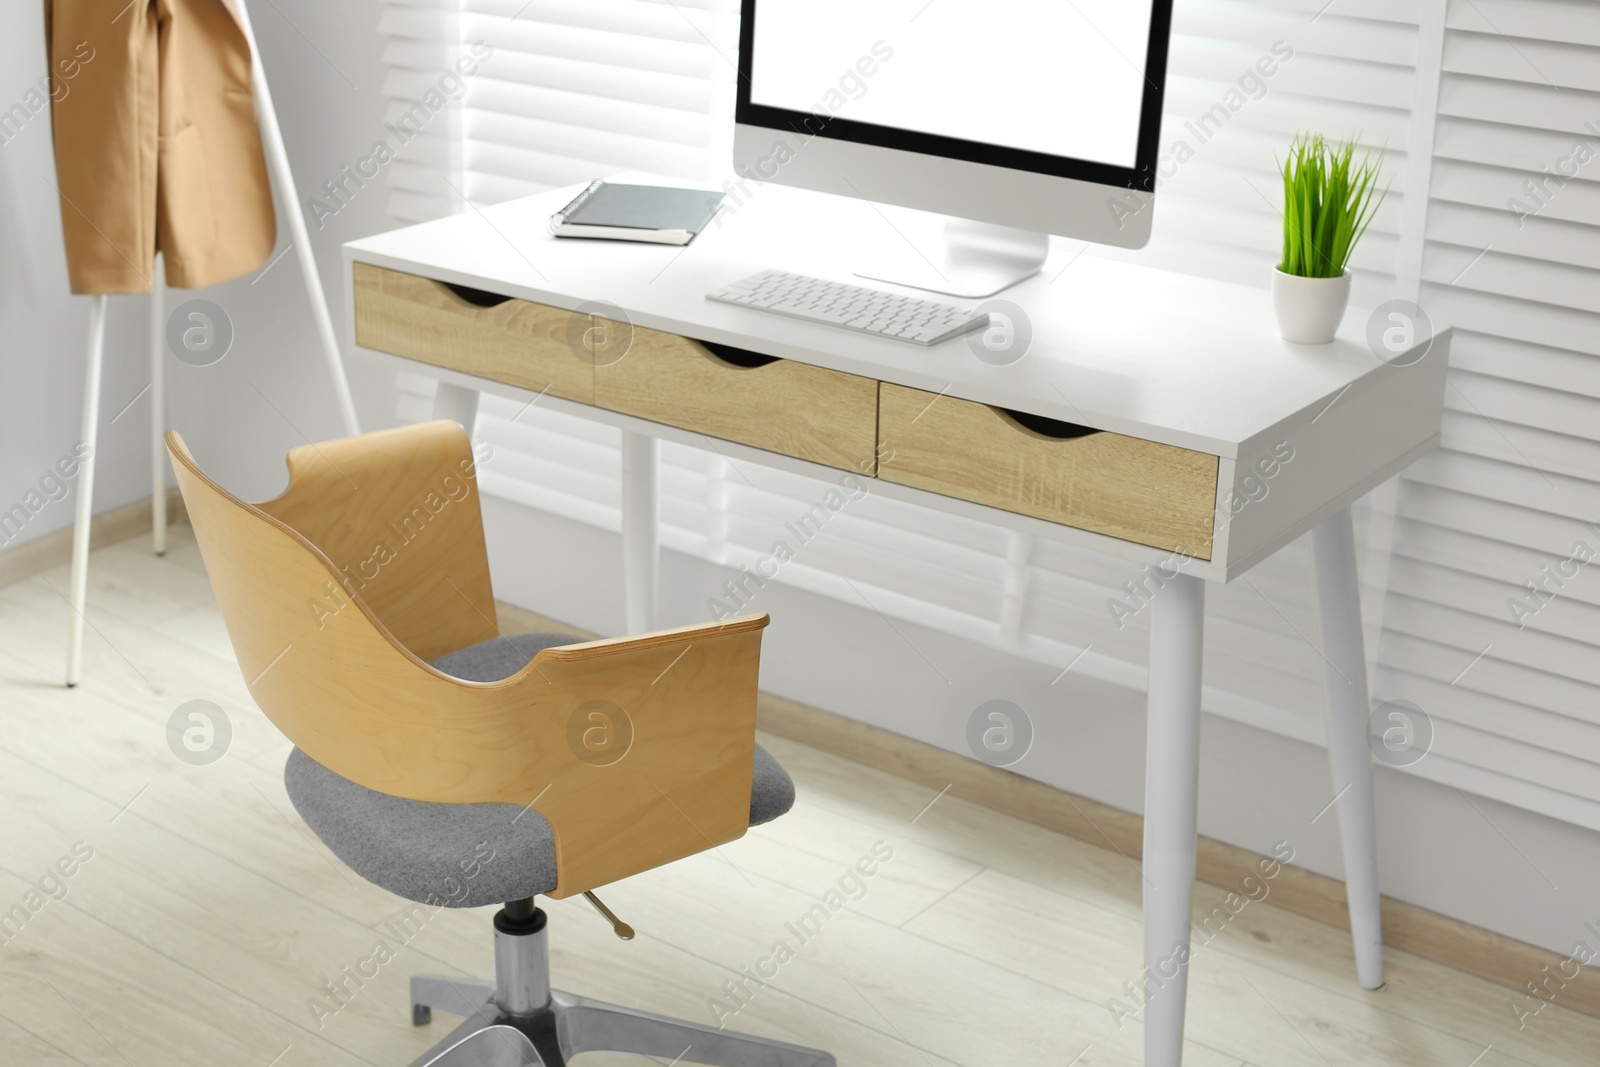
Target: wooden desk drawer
point(503, 338)
point(798, 410)
point(1119, 486)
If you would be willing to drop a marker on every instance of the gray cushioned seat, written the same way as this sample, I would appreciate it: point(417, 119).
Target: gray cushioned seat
point(462, 855)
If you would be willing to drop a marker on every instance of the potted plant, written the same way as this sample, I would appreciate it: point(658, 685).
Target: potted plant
point(1328, 200)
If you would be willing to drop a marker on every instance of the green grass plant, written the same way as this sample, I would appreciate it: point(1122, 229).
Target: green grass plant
point(1328, 201)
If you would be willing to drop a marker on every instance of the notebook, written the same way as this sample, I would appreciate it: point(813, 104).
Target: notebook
point(655, 213)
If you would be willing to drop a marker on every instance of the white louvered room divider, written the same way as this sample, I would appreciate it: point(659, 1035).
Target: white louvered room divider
point(1468, 99)
point(1514, 490)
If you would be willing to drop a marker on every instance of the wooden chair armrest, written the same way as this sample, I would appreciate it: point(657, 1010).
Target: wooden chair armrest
point(681, 636)
point(657, 743)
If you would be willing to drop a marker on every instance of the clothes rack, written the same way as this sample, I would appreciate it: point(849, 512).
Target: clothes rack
point(278, 160)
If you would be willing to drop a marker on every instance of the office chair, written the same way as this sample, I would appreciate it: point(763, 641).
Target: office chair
point(458, 767)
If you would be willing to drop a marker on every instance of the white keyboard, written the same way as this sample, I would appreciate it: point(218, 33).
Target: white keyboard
point(855, 307)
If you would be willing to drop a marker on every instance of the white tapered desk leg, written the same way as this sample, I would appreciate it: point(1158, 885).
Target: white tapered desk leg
point(78, 588)
point(278, 157)
point(1344, 673)
point(640, 515)
point(456, 402)
point(158, 412)
point(1171, 792)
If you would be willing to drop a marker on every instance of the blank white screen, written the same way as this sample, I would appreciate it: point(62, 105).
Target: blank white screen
point(1061, 77)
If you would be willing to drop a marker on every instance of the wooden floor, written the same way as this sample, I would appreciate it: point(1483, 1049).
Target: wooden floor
point(208, 918)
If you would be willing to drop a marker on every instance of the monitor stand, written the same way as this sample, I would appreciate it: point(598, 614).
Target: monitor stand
point(975, 259)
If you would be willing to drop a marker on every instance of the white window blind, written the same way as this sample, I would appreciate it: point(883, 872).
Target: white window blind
point(422, 42)
point(1467, 100)
point(583, 88)
point(1243, 76)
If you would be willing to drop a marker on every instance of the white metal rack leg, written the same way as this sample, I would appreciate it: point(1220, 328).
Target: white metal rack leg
point(79, 584)
point(1344, 673)
point(278, 160)
point(1172, 777)
point(640, 518)
point(158, 413)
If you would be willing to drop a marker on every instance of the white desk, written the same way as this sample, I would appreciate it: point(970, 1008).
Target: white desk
point(1185, 384)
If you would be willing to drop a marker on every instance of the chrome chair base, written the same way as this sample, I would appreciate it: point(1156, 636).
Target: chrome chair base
point(519, 1021)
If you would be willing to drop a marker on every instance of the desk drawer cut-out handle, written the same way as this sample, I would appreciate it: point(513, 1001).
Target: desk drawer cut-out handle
point(481, 298)
point(1055, 429)
point(738, 357)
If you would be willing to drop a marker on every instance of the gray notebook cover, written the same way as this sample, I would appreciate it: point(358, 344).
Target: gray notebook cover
point(642, 207)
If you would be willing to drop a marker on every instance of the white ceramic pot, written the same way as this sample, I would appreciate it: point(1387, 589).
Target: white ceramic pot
point(1309, 309)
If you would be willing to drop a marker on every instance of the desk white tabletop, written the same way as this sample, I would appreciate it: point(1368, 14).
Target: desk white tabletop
point(1149, 353)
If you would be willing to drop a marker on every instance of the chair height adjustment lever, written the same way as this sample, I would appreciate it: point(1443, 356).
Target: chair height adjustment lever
point(620, 928)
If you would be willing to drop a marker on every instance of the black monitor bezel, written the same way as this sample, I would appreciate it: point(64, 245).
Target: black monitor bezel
point(1140, 176)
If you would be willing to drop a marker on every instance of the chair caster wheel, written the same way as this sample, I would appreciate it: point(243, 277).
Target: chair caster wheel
point(421, 1015)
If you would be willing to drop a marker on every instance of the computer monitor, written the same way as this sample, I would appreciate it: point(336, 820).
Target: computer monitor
point(1016, 118)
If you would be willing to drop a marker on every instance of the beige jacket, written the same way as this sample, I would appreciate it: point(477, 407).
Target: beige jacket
point(156, 143)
